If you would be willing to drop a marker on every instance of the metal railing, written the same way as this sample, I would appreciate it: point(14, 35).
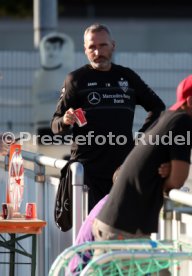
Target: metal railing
point(178, 202)
point(177, 205)
point(44, 195)
point(80, 198)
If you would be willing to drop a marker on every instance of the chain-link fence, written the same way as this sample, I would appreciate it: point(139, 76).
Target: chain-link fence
point(161, 71)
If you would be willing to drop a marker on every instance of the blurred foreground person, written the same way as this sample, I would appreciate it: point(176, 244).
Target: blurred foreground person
point(85, 232)
point(133, 206)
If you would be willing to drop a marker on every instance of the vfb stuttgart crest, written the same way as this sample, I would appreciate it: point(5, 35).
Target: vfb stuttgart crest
point(123, 84)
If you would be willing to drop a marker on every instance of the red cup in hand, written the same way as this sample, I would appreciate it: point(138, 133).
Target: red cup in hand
point(80, 117)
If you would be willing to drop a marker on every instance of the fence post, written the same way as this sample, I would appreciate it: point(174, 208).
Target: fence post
point(168, 216)
point(39, 171)
point(77, 182)
point(85, 201)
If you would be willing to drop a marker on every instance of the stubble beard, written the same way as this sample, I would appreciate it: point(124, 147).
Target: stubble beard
point(102, 66)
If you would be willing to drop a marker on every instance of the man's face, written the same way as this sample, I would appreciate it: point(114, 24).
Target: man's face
point(99, 49)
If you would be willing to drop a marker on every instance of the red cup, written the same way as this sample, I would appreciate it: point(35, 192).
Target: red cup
point(80, 117)
point(31, 210)
point(5, 210)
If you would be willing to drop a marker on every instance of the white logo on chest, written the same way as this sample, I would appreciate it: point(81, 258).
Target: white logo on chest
point(92, 84)
point(94, 98)
point(123, 84)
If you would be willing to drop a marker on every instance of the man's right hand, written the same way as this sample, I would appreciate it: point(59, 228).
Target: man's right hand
point(165, 169)
point(69, 117)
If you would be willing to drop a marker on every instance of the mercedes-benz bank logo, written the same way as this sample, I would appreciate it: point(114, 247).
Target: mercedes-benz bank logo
point(94, 98)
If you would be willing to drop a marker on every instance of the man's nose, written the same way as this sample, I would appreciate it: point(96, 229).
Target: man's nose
point(96, 52)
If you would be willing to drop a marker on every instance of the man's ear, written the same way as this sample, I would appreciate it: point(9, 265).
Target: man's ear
point(113, 43)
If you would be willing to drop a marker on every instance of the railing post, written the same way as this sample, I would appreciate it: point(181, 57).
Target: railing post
point(168, 216)
point(6, 162)
point(39, 171)
point(85, 201)
point(77, 182)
